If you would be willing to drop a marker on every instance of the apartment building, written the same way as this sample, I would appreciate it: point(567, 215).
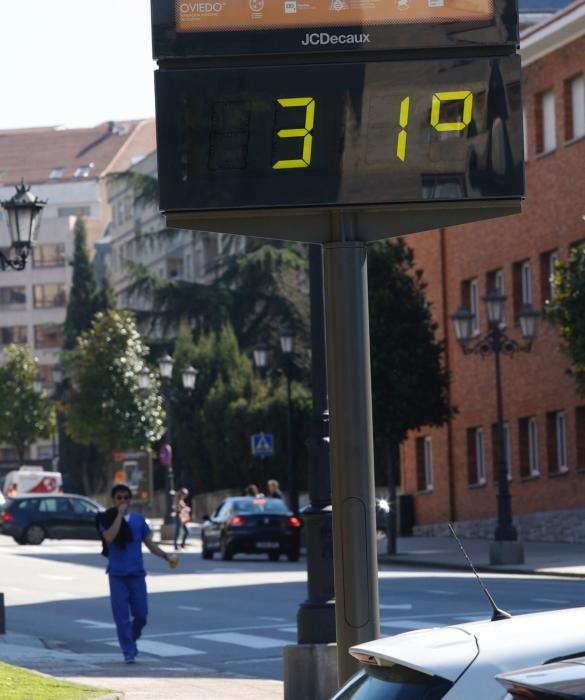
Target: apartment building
point(138, 236)
point(451, 471)
point(69, 169)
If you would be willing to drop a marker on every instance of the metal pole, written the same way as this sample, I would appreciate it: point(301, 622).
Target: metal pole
point(169, 475)
point(505, 530)
point(316, 615)
point(352, 458)
point(292, 482)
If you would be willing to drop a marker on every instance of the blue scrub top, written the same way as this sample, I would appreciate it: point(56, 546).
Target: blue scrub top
point(128, 561)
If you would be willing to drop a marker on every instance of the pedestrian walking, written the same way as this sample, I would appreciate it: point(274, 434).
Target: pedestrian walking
point(182, 516)
point(124, 532)
point(273, 488)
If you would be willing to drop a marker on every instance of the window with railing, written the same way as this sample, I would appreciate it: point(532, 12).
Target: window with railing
point(49, 295)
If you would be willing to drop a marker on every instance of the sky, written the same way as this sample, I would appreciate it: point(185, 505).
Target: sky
point(75, 63)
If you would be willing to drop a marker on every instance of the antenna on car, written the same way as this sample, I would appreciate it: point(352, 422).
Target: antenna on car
point(497, 614)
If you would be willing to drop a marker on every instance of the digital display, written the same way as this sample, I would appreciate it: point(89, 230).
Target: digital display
point(333, 135)
point(237, 15)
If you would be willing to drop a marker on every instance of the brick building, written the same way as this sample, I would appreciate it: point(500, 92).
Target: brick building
point(451, 471)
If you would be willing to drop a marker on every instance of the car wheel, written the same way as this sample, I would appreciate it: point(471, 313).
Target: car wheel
point(206, 553)
point(227, 553)
point(19, 540)
point(293, 557)
point(274, 556)
point(34, 534)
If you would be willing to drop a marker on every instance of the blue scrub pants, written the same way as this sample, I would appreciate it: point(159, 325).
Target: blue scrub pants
point(130, 609)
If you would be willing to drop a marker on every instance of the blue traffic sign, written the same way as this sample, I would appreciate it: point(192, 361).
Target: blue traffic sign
point(262, 445)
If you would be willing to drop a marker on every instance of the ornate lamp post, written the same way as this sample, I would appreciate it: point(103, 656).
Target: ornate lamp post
point(260, 361)
point(505, 549)
point(189, 377)
point(24, 210)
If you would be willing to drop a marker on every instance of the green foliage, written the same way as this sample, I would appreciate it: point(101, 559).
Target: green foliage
point(567, 311)
point(213, 425)
point(106, 406)
point(82, 304)
point(25, 416)
point(105, 299)
point(409, 383)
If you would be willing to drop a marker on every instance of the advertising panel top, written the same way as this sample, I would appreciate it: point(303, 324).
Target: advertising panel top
point(200, 28)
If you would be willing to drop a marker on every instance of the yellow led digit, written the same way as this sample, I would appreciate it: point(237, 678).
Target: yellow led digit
point(440, 97)
point(304, 133)
point(402, 135)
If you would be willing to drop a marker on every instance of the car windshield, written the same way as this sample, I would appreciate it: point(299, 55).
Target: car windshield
point(393, 683)
point(260, 505)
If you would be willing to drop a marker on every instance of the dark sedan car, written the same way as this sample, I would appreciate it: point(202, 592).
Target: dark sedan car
point(32, 518)
point(251, 525)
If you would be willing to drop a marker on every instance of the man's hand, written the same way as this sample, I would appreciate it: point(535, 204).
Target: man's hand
point(123, 508)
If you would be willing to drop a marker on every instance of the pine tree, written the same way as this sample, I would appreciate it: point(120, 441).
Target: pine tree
point(82, 297)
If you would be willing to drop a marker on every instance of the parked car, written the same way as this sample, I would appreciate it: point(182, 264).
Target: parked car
point(460, 662)
point(32, 518)
point(250, 525)
point(565, 679)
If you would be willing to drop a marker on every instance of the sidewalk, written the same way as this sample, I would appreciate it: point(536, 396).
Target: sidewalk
point(148, 679)
point(540, 558)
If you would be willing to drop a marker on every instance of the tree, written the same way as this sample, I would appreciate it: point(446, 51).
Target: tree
point(106, 406)
point(82, 297)
point(409, 382)
point(567, 311)
point(25, 416)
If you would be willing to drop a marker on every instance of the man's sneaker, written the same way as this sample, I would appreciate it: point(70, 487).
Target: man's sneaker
point(129, 659)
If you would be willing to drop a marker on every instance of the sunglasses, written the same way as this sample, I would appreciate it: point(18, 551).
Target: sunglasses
point(122, 498)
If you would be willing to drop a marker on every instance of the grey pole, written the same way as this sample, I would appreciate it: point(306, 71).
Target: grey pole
point(352, 458)
point(316, 615)
point(169, 472)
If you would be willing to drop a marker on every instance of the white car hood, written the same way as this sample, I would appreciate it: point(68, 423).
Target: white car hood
point(448, 651)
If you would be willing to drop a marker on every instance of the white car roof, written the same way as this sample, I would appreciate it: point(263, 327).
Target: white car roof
point(504, 645)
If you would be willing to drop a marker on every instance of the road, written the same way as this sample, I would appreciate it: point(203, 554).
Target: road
point(230, 617)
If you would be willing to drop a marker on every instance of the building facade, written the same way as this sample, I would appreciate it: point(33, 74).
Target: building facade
point(138, 237)
point(451, 471)
point(68, 168)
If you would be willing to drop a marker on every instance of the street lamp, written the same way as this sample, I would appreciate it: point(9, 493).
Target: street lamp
point(188, 377)
point(260, 360)
point(23, 211)
point(505, 549)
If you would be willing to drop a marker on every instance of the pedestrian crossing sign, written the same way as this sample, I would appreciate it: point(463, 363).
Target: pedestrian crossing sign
point(262, 445)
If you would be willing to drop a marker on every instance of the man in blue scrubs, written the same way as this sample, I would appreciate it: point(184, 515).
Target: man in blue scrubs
point(124, 537)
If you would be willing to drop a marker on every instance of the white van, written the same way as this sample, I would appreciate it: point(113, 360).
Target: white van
point(32, 480)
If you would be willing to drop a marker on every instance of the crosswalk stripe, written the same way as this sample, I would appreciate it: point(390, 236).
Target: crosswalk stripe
point(163, 649)
point(403, 606)
point(250, 641)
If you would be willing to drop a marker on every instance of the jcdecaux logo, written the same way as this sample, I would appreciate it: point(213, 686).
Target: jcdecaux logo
point(324, 39)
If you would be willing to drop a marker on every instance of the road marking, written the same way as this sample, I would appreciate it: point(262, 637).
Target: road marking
point(189, 607)
point(94, 624)
point(55, 577)
point(292, 628)
point(272, 619)
point(405, 606)
point(436, 591)
point(251, 641)
point(551, 600)
point(229, 570)
point(263, 660)
point(163, 649)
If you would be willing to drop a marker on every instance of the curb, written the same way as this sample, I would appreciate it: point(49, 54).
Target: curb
point(397, 560)
point(111, 696)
